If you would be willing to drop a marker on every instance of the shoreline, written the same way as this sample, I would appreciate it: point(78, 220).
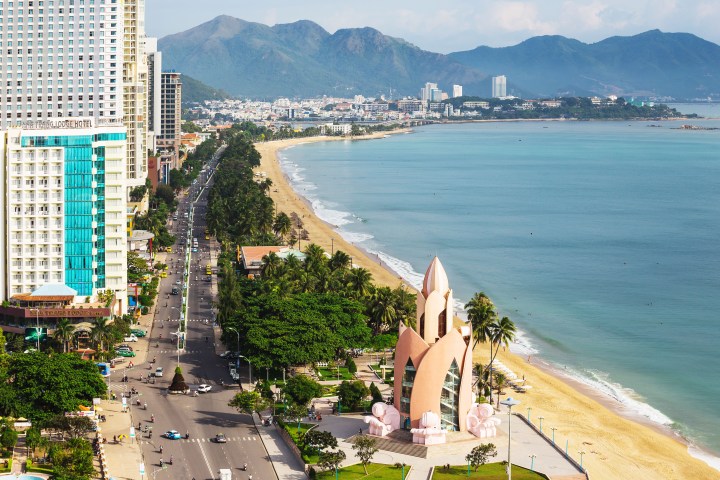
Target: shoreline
point(618, 444)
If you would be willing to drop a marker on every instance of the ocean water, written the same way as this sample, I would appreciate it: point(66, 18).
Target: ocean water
point(601, 240)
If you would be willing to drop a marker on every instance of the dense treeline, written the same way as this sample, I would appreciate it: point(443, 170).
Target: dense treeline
point(580, 108)
point(302, 310)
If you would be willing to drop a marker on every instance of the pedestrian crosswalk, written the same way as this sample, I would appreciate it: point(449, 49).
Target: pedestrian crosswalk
point(202, 440)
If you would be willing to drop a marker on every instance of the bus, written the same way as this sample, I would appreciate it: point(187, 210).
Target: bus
point(208, 269)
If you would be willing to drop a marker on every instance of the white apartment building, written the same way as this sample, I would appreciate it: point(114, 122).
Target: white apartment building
point(154, 66)
point(63, 172)
point(457, 91)
point(135, 73)
point(499, 86)
point(64, 218)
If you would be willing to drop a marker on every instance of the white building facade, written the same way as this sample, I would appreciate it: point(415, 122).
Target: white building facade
point(64, 171)
point(499, 86)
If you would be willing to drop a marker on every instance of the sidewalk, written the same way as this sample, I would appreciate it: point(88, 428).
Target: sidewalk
point(286, 466)
point(124, 457)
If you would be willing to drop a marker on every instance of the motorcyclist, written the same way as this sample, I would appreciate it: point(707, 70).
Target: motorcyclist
point(152, 418)
point(144, 406)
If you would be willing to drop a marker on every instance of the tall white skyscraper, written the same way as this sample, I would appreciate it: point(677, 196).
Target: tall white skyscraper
point(426, 93)
point(154, 65)
point(499, 86)
point(134, 92)
point(457, 91)
point(63, 166)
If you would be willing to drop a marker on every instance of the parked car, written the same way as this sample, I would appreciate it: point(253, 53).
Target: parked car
point(225, 354)
point(220, 438)
point(204, 388)
point(126, 353)
point(123, 346)
point(172, 435)
point(159, 372)
point(131, 338)
point(138, 333)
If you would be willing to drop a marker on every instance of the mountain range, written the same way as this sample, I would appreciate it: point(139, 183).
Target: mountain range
point(302, 59)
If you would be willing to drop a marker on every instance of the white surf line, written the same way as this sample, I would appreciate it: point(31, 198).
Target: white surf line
point(207, 462)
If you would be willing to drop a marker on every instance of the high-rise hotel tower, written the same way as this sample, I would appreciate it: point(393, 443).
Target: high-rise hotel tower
point(63, 147)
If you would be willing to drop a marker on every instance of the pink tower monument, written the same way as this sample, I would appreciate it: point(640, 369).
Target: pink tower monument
point(433, 364)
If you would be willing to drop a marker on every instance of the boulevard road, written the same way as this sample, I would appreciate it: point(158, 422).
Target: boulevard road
point(206, 415)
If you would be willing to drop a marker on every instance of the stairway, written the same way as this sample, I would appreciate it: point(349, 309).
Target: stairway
point(399, 441)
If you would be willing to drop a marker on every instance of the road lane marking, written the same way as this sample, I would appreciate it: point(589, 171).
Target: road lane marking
point(207, 462)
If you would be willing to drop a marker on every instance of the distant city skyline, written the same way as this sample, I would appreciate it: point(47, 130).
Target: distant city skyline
point(456, 24)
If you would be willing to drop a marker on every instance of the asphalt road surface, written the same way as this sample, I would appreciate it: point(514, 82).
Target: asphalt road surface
point(207, 414)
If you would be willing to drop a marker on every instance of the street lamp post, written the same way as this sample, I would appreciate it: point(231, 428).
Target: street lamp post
point(249, 368)
point(529, 409)
point(238, 336)
point(553, 430)
point(509, 402)
point(581, 460)
point(532, 461)
point(541, 419)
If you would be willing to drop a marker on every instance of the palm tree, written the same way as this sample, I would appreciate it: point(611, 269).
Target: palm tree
point(481, 312)
point(501, 382)
point(282, 225)
point(502, 333)
point(272, 265)
point(64, 331)
point(382, 310)
point(340, 261)
point(359, 281)
point(100, 332)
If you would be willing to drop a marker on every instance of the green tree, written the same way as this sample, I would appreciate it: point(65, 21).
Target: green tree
point(165, 193)
point(480, 454)
point(376, 393)
point(33, 438)
point(351, 394)
point(248, 402)
point(137, 267)
point(72, 460)
point(282, 225)
point(320, 440)
point(3, 342)
point(382, 310)
point(350, 364)
point(46, 385)
point(481, 313)
point(73, 427)
point(100, 332)
point(502, 333)
point(365, 448)
point(331, 460)
point(64, 332)
point(8, 435)
point(301, 389)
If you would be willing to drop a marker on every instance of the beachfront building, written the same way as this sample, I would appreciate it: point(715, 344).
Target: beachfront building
point(499, 86)
point(168, 140)
point(64, 188)
point(433, 363)
point(251, 258)
point(134, 91)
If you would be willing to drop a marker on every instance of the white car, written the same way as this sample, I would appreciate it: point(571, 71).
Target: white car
point(131, 338)
point(159, 372)
point(204, 388)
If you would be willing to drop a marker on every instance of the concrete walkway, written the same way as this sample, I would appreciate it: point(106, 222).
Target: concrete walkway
point(286, 465)
point(124, 456)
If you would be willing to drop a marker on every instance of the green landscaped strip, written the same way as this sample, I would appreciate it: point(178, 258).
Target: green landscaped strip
point(327, 373)
point(491, 471)
point(376, 471)
point(291, 427)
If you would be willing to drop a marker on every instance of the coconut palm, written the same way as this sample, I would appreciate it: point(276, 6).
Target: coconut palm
point(340, 261)
point(359, 281)
point(64, 331)
point(502, 333)
point(501, 382)
point(382, 310)
point(272, 266)
point(282, 225)
point(100, 332)
point(481, 313)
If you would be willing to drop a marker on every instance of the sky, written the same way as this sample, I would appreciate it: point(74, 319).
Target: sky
point(452, 25)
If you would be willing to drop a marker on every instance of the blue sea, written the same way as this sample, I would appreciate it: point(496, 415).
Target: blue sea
point(601, 240)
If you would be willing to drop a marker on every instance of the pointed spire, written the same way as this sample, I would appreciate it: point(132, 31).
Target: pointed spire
point(435, 279)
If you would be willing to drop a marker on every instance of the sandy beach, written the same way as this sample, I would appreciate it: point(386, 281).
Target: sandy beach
point(615, 447)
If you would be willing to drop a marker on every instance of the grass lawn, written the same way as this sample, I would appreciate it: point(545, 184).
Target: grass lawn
point(376, 471)
point(490, 471)
point(327, 373)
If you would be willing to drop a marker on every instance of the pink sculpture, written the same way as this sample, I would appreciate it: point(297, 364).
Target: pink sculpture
point(480, 420)
point(429, 433)
point(385, 419)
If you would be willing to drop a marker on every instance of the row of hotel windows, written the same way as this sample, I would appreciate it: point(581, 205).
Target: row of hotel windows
point(32, 115)
point(58, 99)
